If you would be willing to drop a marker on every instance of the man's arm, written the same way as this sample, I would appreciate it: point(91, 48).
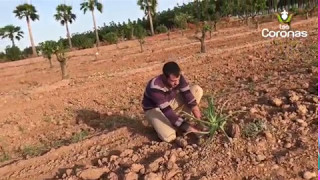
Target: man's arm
point(188, 97)
point(160, 99)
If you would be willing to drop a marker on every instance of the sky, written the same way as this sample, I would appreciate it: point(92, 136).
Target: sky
point(47, 28)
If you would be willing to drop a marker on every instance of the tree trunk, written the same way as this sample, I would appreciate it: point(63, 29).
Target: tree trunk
point(50, 62)
point(95, 28)
point(141, 45)
point(150, 20)
point(34, 52)
point(12, 40)
point(203, 47)
point(168, 34)
point(132, 32)
point(63, 65)
point(202, 40)
point(68, 35)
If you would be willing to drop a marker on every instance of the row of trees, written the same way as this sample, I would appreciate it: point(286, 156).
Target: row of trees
point(210, 11)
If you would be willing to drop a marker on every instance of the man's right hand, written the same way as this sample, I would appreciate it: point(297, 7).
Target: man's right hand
point(188, 128)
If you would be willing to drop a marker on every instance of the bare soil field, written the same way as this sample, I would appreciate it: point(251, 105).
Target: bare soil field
point(91, 126)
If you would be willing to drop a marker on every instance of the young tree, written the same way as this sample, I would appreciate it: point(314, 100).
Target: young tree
point(12, 32)
point(59, 51)
point(257, 7)
point(91, 5)
point(29, 12)
point(64, 15)
point(204, 29)
point(149, 7)
point(181, 21)
point(48, 49)
point(140, 33)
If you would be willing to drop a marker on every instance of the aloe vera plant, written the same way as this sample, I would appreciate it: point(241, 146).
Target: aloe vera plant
point(214, 118)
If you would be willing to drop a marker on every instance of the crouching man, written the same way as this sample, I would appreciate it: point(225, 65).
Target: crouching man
point(165, 96)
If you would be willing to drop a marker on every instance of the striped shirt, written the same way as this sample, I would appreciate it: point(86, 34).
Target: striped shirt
point(158, 95)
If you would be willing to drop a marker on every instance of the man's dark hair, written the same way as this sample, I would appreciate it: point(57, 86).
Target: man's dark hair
point(171, 68)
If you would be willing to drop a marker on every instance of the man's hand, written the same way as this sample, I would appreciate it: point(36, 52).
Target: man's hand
point(186, 127)
point(196, 112)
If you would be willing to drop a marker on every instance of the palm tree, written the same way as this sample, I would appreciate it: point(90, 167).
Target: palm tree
point(65, 15)
point(12, 32)
point(149, 7)
point(92, 5)
point(29, 12)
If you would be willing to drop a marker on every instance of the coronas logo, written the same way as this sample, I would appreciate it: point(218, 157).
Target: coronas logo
point(284, 20)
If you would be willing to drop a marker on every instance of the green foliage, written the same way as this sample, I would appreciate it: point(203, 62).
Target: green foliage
point(206, 27)
point(11, 32)
point(26, 10)
point(162, 29)
point(13, 53)
point(82, 41)
point(214, 118)
point(48, 48)
point(110, 37)
point(181, 20)
point(91, 5)
point(33, 151)
point(28, 51)
point(252, 129)
point(79, 136)
point(64, 14)
point(140, 32)
point(4, 157)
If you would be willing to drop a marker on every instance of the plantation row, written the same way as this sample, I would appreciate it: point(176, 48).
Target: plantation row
point(211, 11)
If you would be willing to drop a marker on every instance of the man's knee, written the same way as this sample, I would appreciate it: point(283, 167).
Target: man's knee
point(197, 91)
point(169, 138)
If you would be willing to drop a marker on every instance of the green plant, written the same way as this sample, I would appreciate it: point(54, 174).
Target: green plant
point(162, 29)
point(5, 157)
point(82, 41)
point(47, 49)
point(13, 53)
point(34, 150)
point(181, 21)
point(79, 136)
point(110, 37)
point(252, 129)
point(214, 118)
point(140, 33)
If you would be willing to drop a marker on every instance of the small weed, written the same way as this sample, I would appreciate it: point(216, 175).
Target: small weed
point(59, 143)
point(251, 87)
point(252, 129)
point(79, 136)
point(314, 47)
point(34, 150)
point(5, 157)
point(47, 119)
